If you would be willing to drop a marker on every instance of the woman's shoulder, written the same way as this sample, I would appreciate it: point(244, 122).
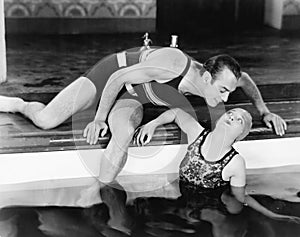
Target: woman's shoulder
point(235, 169)
point(237, 161)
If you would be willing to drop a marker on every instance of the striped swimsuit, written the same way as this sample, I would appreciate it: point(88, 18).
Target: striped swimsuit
point(159, 94)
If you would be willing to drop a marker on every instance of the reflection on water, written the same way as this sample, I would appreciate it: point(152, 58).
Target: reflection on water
point(192, 213)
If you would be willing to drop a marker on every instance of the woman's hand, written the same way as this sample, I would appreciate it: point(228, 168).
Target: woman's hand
point(292, 219)
point(93, 129)
point(144, 134)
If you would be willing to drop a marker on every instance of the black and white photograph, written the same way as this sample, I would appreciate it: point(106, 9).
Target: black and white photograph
point(149, 118)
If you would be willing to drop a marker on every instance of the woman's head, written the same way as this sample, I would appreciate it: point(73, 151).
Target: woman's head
point(238, 121)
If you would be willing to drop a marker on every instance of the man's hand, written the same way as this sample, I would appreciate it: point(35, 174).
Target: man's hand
point(93, 129)
point(278, 123)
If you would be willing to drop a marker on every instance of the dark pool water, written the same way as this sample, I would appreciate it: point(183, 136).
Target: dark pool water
point(192, 213)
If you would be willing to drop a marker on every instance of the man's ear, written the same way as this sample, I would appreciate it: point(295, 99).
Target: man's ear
point(207, 77)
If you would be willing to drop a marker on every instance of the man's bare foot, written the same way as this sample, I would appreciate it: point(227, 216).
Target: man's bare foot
point(11, 104)
point(114, 196)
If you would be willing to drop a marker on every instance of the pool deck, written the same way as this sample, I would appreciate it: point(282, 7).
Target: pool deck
point(40, 66)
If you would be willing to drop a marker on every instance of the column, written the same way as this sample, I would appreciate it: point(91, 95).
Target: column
point(2, 44)
point(273, 13)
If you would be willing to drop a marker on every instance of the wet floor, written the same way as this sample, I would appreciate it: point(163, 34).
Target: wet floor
point(47, 63)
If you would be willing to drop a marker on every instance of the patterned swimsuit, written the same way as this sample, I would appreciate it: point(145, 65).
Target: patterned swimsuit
point(196, 171)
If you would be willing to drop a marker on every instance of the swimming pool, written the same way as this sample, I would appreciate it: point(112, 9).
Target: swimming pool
point(169, 210)
point(39, 196)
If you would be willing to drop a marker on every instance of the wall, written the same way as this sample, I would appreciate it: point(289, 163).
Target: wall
point(291, 15)
point(115, 16)
point(283, 14)
point(201, 16)
point(291, 7)
point(79, 16)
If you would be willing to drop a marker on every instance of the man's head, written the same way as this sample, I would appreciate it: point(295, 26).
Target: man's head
point(221, 74)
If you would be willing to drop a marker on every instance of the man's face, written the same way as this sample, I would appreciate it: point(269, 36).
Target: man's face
point(224, 83)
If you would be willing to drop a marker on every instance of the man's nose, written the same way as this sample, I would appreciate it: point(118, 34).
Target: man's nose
point(225, 96)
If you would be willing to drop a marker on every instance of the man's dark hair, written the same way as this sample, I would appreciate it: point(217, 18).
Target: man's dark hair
point(217, 63)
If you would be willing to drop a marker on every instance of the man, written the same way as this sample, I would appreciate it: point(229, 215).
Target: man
point(127, 80)
point(215, 80)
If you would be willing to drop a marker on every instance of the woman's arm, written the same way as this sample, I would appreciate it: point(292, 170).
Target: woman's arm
point(237, 168)
point(185, 122)
point(247, 200)
point(236, 171)
point(188, 125)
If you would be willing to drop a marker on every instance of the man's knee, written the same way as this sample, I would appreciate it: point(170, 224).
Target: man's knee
point(44, 122)
point(122, 131)
point(124, 120)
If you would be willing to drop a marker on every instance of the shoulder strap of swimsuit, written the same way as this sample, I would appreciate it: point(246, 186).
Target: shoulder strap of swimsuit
point(203, 134)
point(176, 81)
point(187, 67)
point(228, 156)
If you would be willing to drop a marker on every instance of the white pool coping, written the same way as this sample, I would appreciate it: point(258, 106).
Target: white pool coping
point(38, 166)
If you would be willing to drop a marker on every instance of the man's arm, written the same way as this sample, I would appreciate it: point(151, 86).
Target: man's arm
point(250, 89)
point(136, 74)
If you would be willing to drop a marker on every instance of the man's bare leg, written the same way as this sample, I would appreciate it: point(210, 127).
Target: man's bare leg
point(114, 196)
point(11, 104)
point(78, 96)
point(124, 118)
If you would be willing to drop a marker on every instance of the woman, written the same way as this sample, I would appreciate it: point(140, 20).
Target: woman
point(210, 161)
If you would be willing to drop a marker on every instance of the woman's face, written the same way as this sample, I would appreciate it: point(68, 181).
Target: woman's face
point(233, 122)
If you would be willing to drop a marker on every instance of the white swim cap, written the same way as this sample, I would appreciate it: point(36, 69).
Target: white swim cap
point(247, 123)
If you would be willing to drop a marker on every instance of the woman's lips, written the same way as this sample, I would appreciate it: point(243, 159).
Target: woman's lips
point(228, 122)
